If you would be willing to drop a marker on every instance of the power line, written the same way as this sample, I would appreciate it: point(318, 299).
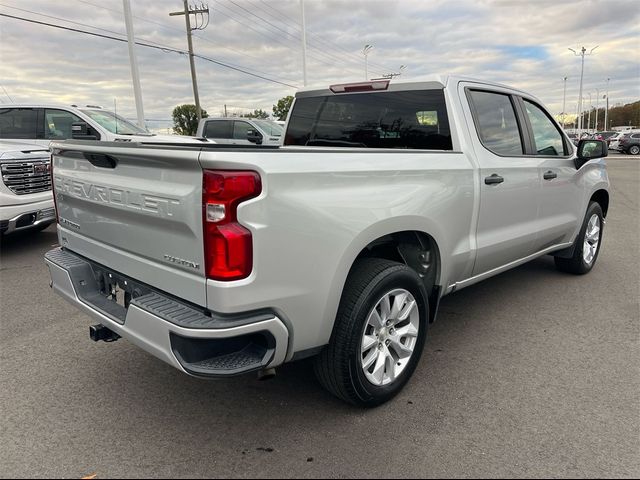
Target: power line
point(5, 92)
point(201, 37)
point(318, 38)
point(148, 45)
point(331, 59)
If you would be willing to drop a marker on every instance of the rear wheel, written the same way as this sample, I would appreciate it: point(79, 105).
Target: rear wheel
point(587, 245)
point(379, 333)
point(634, 150)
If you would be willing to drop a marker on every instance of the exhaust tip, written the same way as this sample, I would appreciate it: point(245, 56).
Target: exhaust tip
point(266, 374)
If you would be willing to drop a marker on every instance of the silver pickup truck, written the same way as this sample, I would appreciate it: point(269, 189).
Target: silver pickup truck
point(339, 245)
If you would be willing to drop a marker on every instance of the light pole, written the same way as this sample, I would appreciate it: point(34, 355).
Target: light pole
point(597, 103)
point(564, 98)
point(606, 112)
point(304, 44)
point(589, 116)
point(583, 52)
point(365, 51)
point(135, 74)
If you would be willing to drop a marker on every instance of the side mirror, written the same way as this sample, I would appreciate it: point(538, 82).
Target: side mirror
point(254, 137)
point(80, 131)
point(588, 149)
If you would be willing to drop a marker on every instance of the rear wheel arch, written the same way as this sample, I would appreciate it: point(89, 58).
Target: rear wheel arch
point(416, 249)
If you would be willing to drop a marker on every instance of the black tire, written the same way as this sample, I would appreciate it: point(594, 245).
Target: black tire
point(634, 150)
point(338, 367)
point(576, 264)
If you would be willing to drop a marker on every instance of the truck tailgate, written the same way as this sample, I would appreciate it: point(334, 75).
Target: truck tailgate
point(136, 209)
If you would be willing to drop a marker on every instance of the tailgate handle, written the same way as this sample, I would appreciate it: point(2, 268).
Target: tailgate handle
point(101, 160)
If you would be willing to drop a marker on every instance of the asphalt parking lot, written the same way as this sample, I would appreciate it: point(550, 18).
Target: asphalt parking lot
point(532, 373)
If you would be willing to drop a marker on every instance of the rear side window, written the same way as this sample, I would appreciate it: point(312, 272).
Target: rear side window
point(408, 120)
point(57, 124)
point(18, 123)
point(548, 139)
point(496, 123)
point(218, 129)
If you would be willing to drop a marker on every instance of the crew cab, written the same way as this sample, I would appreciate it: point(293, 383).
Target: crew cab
point(26, 202)
point(338, 245)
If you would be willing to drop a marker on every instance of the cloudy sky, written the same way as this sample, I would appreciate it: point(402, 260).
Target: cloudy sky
point(521, 43)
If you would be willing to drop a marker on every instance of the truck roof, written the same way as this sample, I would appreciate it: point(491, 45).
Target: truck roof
point(420, 82)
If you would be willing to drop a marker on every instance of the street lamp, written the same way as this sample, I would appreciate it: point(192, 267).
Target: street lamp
point(606, 112)
point(564, 98)
point(583, 52)
point(365, 51)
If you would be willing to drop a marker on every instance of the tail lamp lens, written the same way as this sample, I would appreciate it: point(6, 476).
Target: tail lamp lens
point(227, 244)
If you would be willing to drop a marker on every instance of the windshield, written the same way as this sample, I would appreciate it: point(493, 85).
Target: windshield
point(115, 123)
point(270, 127)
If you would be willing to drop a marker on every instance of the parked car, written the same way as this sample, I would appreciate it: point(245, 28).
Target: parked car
point(629, 143)
point(574, 138)
point(240, 131)
point(338, 245)
point(26, 201)
point(42, 124)
point(614, 140)
point(605, 135)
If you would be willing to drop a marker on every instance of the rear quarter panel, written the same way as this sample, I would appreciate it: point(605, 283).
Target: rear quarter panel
point(319, 209)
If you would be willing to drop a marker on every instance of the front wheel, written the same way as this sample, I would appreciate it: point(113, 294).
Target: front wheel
point(378, 335)
point(587, 245)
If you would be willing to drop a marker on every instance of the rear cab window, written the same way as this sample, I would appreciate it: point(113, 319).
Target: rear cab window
point(402, 119)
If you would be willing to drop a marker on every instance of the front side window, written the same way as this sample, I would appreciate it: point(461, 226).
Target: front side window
point(218, 129)
point(496, 123)
point(18, 123)
point(548, 139)
point(270, 127)
point(57, 124)
point(115, 123)
point(405, 120)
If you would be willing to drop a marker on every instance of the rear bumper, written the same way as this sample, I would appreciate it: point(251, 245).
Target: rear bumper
point(192, 340)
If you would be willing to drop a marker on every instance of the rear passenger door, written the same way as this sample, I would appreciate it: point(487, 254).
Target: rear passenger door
point(509, 179)
point(221, 131)
point(18, 124)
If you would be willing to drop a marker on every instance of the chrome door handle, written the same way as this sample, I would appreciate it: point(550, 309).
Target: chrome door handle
point(493, 179)
point(550, 175)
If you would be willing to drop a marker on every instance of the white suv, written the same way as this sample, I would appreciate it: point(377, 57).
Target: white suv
point(26, 201)
point(42, 124)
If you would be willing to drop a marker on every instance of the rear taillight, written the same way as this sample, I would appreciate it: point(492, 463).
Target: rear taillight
point(53, 188)
point(228, 245)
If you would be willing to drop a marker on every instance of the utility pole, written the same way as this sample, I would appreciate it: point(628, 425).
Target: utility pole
point(589, 116)
point(365, 52)
point(135, 74)
point(606, 112)
point(564, 100)
point(203, 10)
point(583, 52)
point(597, 103)
point(304, 44)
